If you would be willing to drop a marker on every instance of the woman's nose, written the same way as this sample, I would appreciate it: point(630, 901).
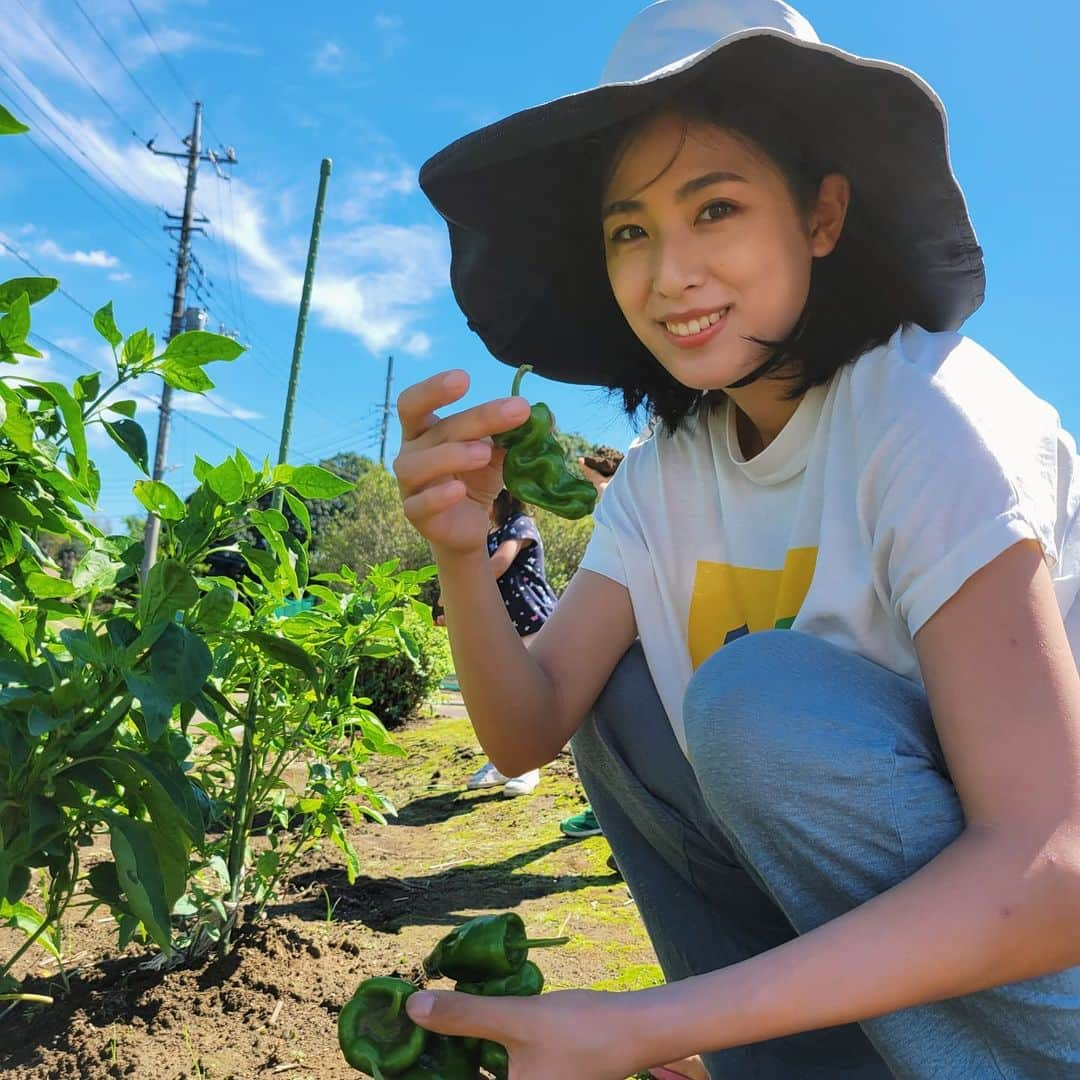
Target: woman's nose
point(679, 266)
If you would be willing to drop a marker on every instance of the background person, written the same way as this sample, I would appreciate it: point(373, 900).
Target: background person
point(516, 558)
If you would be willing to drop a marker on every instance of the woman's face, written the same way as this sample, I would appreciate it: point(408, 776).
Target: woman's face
point(706, 247)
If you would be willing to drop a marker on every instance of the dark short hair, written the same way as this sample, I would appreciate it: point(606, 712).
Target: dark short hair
point(506, 506)
point(858, 297)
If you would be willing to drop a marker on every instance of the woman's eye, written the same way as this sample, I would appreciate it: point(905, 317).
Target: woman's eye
point(717, 211)
point(625, 233)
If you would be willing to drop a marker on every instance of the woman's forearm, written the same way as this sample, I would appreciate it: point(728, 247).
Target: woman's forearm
point(986, 911)
point(509, 697)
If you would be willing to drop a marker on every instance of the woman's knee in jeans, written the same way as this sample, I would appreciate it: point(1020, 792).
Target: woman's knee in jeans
point(757, 733)
point(612, 708)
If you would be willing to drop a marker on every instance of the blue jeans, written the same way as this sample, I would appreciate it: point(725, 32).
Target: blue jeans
point(815, 781)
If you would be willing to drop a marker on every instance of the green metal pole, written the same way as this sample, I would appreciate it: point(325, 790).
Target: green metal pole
point(301, 324)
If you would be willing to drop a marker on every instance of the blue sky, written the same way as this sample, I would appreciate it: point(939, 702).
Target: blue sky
point(378, 87)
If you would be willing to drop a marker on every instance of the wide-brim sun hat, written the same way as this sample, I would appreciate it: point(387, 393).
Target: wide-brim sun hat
point(522, 204)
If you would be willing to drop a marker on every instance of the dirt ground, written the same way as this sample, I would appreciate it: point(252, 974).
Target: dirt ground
point(270, 1008)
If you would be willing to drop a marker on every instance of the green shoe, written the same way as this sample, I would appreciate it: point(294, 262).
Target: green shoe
point(580, 825)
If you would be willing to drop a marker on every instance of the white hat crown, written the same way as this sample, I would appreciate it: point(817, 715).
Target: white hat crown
point(672, 32)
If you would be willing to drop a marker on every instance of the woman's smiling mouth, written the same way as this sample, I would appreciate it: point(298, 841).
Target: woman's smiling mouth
point(696, 330)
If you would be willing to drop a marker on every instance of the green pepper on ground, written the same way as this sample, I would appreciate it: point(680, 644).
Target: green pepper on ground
point(535, 469)
point(375, 1033)
point(486, 947)
point(445, 1057)
point(526, 981)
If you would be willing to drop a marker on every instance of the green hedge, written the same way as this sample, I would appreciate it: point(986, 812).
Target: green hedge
point(397, 685)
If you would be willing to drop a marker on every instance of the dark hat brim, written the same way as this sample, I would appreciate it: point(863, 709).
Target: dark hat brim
point(521, 197)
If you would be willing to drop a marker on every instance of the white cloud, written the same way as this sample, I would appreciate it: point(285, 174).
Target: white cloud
point(122, 275)
point(389, 29)
point(375, 279)
point(330, 58)
point(366, 188)
point(97, 257)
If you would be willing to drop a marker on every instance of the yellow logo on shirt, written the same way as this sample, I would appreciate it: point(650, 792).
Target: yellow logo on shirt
point(730, 601)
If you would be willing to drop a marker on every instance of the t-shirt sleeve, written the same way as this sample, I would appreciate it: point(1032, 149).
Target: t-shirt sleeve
point(520, 527)
point(615, 521)
point(963, 468)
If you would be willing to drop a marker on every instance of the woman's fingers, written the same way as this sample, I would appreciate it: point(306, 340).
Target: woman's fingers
point(421, 467)
point(433, 500)
point(417, 403)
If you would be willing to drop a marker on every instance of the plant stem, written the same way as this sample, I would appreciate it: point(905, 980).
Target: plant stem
point(241, 823)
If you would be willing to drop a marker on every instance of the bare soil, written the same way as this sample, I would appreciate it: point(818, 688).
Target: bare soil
point(270, 1008)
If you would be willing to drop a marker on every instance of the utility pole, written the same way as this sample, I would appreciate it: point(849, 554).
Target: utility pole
point(301, 324)
point(187, 226)
point(386, 411)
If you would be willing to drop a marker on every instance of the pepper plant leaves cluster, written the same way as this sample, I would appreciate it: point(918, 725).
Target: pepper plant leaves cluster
point(149, 710)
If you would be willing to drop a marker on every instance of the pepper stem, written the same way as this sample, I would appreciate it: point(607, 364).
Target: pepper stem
point(544, 943)
point(517, 379)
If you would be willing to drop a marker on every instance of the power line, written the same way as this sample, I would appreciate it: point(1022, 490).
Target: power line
point(60, 289)
point(82, 153)
point(127, 71)
point(188, 96)
point(63, 52)
point(89, 194)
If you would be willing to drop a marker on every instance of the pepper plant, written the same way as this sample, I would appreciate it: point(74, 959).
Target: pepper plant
point(85, 699)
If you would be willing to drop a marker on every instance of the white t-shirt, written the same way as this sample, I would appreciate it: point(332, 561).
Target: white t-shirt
point(886, 490)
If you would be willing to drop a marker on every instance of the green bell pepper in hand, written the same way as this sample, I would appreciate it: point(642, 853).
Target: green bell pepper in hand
point(375, 1032)
point(445, 1057)
point(526, 981)
point(483, 948)
point(494, 1058)
point(535, 470)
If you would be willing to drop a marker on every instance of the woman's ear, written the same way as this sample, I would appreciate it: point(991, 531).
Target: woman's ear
point(827, 220)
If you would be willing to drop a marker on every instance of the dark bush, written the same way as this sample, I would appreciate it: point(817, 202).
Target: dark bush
point(399, 686)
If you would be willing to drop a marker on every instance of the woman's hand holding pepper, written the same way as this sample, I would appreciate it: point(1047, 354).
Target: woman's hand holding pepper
point(586, 1034)
point(448, 470)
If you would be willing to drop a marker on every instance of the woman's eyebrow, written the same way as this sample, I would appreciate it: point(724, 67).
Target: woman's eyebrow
point(630, 206)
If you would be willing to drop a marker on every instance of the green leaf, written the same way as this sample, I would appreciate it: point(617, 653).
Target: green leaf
point(271, 518)
point(157, 704)
point(28, 919)
point(201, 347)
point(180, 663)
point(15, 325)
point(159, 499)
point(45, 586)
point(315, 482)
point(12, 632)
point(300, 512)
point(202, 469)
point(179, 377)
point(73, 421)
point(214, 609)
point(138, 349)
point(18, 425)
point(226, 481)
point(169, 588)
point(105, 325)
point(36, 288)
point(95, 571)
point(9, 125)
point(124, 408)
point(287, 652)
point(146, 861)
point(87, 387)
point(130, 437)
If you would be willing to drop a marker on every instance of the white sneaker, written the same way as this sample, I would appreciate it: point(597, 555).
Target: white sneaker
point(525, 784)
point(486, 777)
